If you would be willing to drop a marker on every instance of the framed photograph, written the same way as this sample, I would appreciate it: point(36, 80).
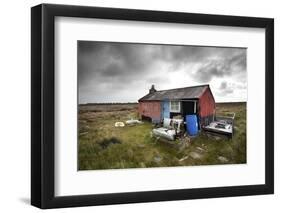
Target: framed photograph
point(139, 106)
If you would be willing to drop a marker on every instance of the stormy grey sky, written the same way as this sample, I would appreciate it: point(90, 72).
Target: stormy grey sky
point(124, 72)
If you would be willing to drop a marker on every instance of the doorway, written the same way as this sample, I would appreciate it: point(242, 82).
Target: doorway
point(189, 107)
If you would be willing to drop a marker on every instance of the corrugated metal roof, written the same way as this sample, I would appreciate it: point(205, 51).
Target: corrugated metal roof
point(174, 94)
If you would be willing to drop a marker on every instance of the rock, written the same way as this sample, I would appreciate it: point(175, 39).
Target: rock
point(195, 155)
point(157, 159)
point(222, 159)
point(184, 158)
point(200, 149)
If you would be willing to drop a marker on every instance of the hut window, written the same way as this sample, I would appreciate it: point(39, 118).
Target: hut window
point(174, 106)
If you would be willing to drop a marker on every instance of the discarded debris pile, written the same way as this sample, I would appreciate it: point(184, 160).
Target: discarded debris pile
point(172, 134)
point(130, 122)
point(169, 134)
point(221, 126)
point(119, 124)
point(133, 122)
point(171, 128)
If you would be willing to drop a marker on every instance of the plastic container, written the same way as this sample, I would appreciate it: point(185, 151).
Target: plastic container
point(191, 125)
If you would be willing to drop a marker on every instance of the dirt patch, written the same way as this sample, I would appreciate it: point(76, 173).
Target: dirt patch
point(106, 142)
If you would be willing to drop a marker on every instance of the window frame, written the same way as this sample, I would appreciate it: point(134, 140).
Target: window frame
point(179, 106)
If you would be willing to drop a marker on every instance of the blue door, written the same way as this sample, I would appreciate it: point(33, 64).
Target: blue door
point(166, 109)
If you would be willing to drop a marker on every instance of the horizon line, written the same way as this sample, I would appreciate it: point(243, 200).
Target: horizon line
point(137, 102)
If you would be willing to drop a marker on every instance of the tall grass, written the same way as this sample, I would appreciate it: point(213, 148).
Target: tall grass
point(103, 146)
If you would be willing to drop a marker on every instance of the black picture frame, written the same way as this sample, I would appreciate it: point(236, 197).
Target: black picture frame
point(43, 117)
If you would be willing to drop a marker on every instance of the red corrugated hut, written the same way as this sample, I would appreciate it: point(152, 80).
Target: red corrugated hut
point(198, 100)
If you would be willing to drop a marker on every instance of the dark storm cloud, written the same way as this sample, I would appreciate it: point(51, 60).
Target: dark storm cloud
point(225, 89)
point(109, 68)
point(210, 70)
point(223, 85)
point(109, 71)
point(227, 63)
point(112, 60)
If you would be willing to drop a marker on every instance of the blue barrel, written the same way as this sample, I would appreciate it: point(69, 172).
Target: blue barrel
point(191, 125)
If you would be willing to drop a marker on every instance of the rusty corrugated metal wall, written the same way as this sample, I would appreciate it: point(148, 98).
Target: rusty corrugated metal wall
point(150, 109)
point(207, 107)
